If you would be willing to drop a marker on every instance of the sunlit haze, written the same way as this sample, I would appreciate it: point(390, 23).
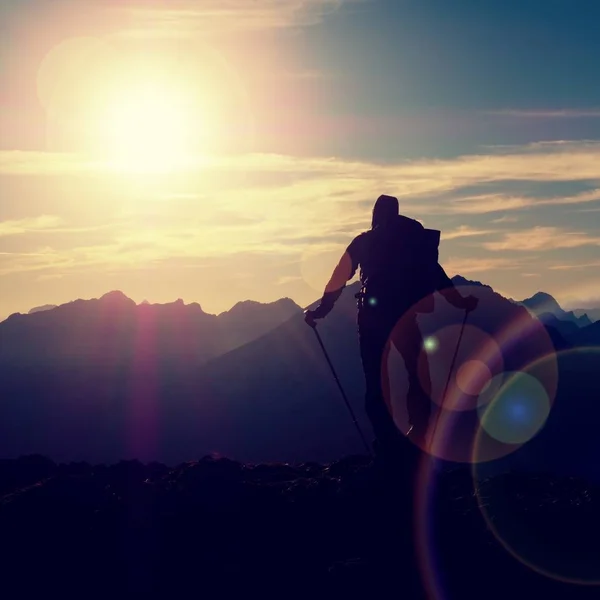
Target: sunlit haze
point(218, 152)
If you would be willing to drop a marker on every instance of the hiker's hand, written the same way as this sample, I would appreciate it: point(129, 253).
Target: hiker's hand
point(310, 318)
point(469, 303)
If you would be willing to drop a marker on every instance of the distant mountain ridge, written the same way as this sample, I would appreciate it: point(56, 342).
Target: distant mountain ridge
point(592, 313)
point(42, 308)
point(541, 304)
point(545, 307)
point(460, 281)
point(112, 328)
point(106, 379)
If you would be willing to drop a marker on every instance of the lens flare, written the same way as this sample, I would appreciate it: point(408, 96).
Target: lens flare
point(551, 528)
point(142, 113)
point(460, 380)
point(478, 358)
point(430, 344)
point(473, 377)
point(518, 411)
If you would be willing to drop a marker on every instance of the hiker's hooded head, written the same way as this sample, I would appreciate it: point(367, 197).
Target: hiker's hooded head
point(385, 211)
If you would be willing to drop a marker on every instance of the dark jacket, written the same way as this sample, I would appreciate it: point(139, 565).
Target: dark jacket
point(398, 265)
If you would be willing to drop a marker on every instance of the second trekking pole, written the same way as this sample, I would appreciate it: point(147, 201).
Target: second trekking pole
point(452, 365)
point(362, 437)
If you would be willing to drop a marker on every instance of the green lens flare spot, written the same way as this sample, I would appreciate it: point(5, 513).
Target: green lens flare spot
point(430, 344)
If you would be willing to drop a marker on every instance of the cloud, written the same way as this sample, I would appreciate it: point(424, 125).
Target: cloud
point(566, 113)
point(580, 266)
point(466, 231)
point(17, 162)
point(151, 18)
point(495, 202)
point(542, 238)
point(467, 266)
point(288, 279)
point(28, 225)
point(581, 198)
point(425, 186)
point(277, 205)
point(505, 219)
point(49, 277)
point(486, 203)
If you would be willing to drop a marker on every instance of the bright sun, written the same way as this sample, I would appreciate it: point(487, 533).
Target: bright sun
point(139, 112)
point(134, 113)
point(147, 126)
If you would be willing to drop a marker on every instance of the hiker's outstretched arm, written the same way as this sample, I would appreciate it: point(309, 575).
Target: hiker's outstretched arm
point(445, 286)
point(343, 272)
point(334, 288)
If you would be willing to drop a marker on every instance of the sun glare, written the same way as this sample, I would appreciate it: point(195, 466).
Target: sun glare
point(140, 113)
point(147, 126)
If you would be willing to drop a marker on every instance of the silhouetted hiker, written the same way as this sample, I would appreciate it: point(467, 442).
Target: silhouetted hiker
point(398, 268)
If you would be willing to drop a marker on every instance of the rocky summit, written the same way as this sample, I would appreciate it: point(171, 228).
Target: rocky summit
point(215, 528)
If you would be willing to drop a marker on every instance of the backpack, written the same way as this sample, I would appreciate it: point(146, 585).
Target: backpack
point(429, 247)
point(401, 264)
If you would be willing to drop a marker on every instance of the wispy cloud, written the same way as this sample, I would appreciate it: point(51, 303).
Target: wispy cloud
point(468, 266)
point(496, 202)
point(20, 226)
point(542, 238)
point(486, 203)
point(276, 205)
point(188, 17)
point(505, 219)
point(567, 113)
point(579, 266)
point(16, 162)
point(288, 279)
point(435, 185)
point(49, 276)
point(466, 231)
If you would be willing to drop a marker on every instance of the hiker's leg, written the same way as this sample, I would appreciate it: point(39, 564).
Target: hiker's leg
point(373, 338)
point(409, 342)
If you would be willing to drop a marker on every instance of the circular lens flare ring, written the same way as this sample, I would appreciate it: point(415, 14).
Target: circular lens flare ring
point(518, 410)
point(564, 550)
point(513, 341)
point(473, 377)
point(478, 358)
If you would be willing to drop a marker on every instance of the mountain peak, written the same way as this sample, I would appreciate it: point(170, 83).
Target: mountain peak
point(542, 302)
point(543, 297)
point(115, 296)
point(43, 308)
point(245, 306)
point(459, 280)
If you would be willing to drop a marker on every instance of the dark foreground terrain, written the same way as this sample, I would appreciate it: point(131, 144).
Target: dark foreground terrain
point(215, 528)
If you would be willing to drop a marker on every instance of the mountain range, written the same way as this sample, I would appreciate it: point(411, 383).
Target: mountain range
point(112, 329)
point(545, 307)
point(105, 379)
point(592, 313)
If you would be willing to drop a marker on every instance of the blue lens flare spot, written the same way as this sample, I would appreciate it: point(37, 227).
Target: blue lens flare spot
point(518, 411)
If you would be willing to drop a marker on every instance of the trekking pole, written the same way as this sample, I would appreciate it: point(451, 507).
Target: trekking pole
point(452, 365)
point(362, 437)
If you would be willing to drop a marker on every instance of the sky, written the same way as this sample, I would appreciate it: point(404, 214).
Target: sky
point(218, 151)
